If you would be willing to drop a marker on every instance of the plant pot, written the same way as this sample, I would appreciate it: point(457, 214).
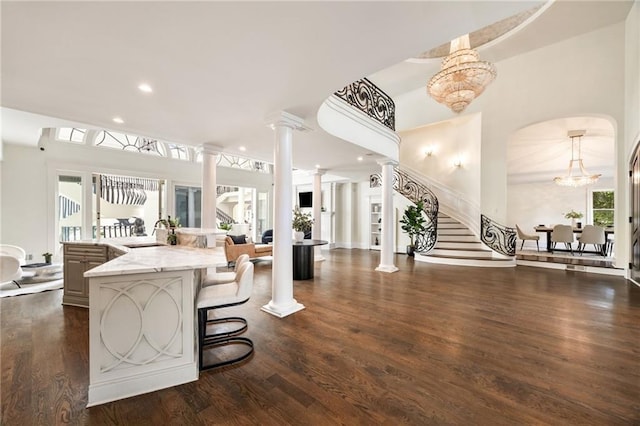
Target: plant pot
point(411, 250)
point(298, 236)
point(47, 259)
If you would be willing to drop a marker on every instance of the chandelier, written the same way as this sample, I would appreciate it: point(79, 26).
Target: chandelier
point(462, 77)
point(576, 176)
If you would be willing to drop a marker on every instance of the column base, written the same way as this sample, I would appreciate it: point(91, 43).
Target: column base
point(387, 268)
point(318, 258)
point(280, 311)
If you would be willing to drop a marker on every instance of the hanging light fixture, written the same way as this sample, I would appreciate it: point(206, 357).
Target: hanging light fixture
point(462, 78)
point(579, 176)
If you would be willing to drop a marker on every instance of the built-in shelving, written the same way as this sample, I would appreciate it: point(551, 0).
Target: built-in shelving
point(375, 225)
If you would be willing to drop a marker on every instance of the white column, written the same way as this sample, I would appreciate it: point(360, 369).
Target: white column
point(208, 209)
point(317, 212)
point(386, 252)
point(282, 302)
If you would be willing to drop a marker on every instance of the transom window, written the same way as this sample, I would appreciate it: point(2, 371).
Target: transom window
point(71, 134)
point(115, 140)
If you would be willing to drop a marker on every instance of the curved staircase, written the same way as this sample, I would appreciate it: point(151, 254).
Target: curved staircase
point(457, 245)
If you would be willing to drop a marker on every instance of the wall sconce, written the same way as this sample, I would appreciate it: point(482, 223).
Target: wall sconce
point(428, 151)
point(457, 162)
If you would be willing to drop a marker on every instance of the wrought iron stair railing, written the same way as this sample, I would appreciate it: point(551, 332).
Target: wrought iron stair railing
point(223, 217)
point(499, 238)
point(416, 191)
point(370, 99)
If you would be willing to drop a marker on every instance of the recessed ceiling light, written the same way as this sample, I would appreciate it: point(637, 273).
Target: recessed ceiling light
point(118, 120)
point(360, 158)
point(144, 87)
point(242, 148)
point(317, 166)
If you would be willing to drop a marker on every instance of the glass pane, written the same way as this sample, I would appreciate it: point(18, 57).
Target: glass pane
point(128, 206)
point(69, 208)
point(262, 214)
point(603, 218)
point(603, 199)
point(188, 205)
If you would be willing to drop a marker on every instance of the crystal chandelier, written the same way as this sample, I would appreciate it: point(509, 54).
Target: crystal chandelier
point(462, 77)
point(578, 177)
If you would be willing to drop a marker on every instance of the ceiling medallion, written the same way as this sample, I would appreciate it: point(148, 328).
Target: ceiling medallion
point(462, 77)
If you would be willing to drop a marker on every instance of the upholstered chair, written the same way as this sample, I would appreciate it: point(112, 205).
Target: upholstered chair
point(220, 296)
point(592, 235)
point(524, 237)
point(225, 277)
point(562, 234)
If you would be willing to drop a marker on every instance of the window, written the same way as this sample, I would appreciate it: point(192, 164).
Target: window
point(71, 134)
point(602, 207)
point(130, 143)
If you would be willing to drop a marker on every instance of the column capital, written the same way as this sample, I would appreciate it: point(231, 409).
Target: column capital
point(285, 119)
point(211, 148)
point(387, 162)
point(319, 172)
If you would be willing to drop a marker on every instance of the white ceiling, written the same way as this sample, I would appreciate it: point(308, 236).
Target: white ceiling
point(218, 68)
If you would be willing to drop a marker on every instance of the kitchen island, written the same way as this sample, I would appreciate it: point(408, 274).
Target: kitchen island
point(142, 327)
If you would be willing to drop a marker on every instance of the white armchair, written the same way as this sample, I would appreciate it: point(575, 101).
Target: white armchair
point(14, 251)
point(10, 270)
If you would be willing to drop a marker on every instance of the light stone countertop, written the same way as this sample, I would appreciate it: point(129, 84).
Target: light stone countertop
point(124, 244)
point(159, 259)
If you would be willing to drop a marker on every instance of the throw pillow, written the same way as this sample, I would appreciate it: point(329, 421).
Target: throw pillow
point(238, 239)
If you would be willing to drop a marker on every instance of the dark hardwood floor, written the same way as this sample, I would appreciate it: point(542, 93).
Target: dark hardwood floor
point(429, 344)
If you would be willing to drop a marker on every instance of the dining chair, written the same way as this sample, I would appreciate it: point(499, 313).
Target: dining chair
point(524, 237)
point(592, 234)
point(562, 234)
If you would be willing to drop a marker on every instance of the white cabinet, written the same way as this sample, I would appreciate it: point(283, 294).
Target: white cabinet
point(375, 224)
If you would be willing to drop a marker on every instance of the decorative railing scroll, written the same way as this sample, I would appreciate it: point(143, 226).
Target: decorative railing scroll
point(416, 191)
point(370, 99)
point(498, 237)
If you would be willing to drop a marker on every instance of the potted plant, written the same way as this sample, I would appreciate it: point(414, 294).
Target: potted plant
point(573, 215)
point(47, 257)
point(225, 226)
point(413, 223)
point(165, 230)
point(302, 223)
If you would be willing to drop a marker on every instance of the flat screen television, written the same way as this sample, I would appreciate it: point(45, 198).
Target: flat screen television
point(305, 199)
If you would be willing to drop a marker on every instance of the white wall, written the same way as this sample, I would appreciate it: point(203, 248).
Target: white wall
point(584, 75)
point(450, 140)
point(28, 184)
point(544, 203)
point(632, 79)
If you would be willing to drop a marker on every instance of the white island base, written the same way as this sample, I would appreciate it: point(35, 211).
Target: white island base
point(142, 327)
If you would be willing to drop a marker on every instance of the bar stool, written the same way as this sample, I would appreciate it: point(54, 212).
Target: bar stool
point(225, 277)
point(223, 296)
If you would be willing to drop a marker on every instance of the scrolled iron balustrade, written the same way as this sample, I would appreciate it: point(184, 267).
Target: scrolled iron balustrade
point(370, 99)
point(415, 191)
point(499, 238)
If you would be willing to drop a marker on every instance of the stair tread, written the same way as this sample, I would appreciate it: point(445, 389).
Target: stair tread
point(479, 250)
point(491, 259)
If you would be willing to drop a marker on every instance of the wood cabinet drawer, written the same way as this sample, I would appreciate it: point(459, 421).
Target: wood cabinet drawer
point(85, 250)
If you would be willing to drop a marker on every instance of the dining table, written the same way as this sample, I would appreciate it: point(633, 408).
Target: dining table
point(548, 229)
